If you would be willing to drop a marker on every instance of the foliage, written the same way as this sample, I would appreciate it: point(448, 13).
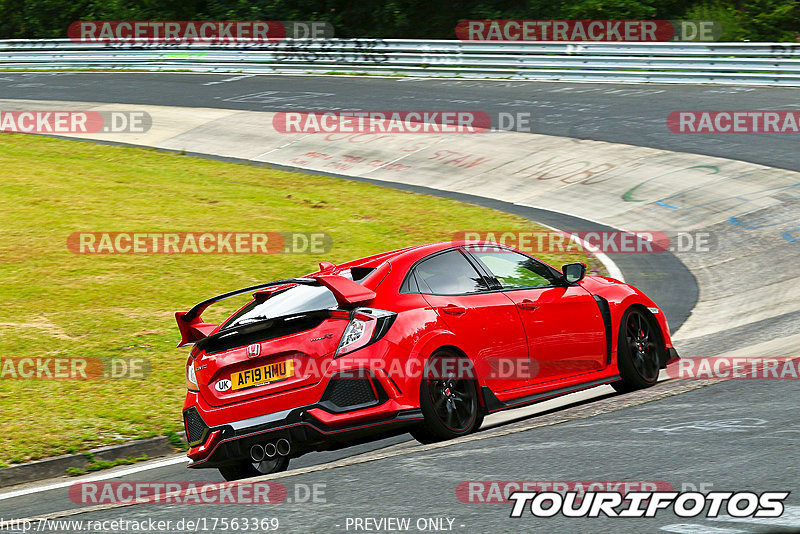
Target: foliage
point(98, 465)
point(755, 20)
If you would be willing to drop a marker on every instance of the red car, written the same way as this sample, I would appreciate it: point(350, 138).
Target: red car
point(427, 340)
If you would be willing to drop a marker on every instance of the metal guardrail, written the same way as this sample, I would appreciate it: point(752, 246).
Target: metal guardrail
point(726, 63)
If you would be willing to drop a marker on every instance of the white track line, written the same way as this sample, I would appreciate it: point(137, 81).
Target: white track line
point(95, 478)
point(492, 421)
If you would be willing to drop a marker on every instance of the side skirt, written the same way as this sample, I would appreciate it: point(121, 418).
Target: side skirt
point(493, 404)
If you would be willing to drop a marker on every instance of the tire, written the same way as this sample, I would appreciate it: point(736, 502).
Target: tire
point(248, 468)
point(639, 351)
point(449, 402)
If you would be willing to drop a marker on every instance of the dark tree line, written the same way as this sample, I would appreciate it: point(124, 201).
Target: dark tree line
point(753, 20)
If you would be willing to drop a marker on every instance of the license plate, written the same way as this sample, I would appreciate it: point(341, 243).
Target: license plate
point(260, 376)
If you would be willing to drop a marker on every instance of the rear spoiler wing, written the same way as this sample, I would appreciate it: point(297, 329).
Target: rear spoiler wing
point(346, 291)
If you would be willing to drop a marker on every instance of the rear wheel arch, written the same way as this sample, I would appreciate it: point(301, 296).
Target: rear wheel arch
point(459, 353)
point(438, 341)
point(454, 349)
point(431, 399)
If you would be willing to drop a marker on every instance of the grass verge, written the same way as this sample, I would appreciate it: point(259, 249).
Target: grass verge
point(57, 304)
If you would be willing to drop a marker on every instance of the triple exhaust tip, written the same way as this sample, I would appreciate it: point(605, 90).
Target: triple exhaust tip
point(257, 452)
point(281, 447)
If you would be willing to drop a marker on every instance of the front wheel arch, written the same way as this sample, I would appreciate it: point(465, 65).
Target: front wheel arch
point(659, 332)
point(640, 349)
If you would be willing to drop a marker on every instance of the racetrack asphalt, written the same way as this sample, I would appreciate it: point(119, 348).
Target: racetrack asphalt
point(629, 114)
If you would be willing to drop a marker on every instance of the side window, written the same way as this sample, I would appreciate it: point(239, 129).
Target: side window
point(448, 274)
point(513, 270)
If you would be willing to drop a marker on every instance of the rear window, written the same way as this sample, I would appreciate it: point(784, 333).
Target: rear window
point(293, 300)
point(290, 301)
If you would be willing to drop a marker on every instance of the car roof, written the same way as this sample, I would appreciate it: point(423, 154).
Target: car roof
point(411, 254)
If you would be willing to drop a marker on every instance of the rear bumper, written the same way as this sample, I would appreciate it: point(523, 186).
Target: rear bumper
point(303, 427)
point(356, 399)
point(351, 403)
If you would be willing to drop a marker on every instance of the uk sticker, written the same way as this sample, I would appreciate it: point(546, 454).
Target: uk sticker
point(223, 385)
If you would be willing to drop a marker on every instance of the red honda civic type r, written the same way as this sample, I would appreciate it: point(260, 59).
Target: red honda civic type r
point(426, 339)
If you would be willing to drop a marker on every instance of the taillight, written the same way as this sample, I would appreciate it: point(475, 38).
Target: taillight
point(366, 326)
point(191, 376)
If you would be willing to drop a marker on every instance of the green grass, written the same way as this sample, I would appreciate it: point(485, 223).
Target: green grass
point(176, 441)
point(98, 465)
point(56, 303)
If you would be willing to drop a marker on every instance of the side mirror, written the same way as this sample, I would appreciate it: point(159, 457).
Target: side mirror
point(573, 272)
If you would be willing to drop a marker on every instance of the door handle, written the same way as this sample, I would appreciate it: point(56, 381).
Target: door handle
point(526, 304)
point(452, 309)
